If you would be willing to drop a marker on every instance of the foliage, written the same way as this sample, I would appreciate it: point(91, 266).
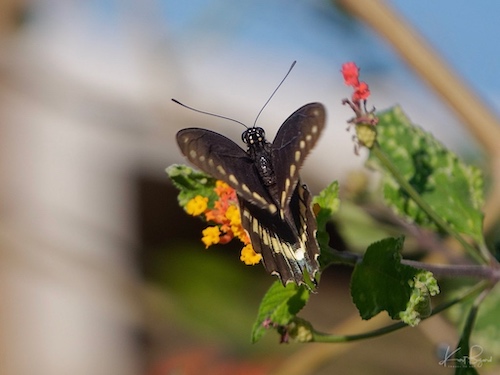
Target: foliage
point(453, 189)
point(380, 282)
point(279, 307)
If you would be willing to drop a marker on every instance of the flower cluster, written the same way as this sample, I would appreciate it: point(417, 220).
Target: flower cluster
point(350, 71)
point(419, 305)
point(225, 215)
point(364, 120)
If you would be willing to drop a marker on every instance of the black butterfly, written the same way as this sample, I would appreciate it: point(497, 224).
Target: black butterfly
point(275, 207)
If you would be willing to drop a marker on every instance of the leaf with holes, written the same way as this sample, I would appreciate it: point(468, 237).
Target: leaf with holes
point(453, 189)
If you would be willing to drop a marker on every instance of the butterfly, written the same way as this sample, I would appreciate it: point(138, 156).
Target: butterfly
point(275, 207)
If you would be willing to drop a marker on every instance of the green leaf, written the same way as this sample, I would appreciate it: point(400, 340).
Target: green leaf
point(486, 328)
point(191, 183)
point(461, 360)
point(328, 201)
point(453, 189)
point(466, 370)
point(465, 357)
point(279, 306)
point(380, 282)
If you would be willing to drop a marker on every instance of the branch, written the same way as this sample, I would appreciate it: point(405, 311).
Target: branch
point(440, 270)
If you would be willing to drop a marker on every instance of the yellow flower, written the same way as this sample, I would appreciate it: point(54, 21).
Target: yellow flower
point(249, 256)
point(197, 205)
point(211, 236)
point(233, 215)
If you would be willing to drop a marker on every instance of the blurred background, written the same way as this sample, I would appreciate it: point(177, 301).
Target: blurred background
point(100, 271)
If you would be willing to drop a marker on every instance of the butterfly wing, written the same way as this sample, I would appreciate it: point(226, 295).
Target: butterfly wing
point(301, 210)
point(224, 160)
point(293, 142)
point(283, 252)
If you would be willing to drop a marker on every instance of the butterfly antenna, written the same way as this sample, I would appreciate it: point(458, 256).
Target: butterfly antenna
point(274, 92)
point(208, 113)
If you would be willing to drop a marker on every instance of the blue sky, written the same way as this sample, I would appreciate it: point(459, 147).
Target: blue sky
point(463, 32)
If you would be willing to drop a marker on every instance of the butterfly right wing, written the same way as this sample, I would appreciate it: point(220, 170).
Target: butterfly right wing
point(224, 160)
point(293, 142)
point(285, 252)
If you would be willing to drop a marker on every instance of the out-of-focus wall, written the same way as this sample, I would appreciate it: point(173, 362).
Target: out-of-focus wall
point(76, 127)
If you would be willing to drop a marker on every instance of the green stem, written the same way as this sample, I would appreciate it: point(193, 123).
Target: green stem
point(327, 338)
point(387, 163)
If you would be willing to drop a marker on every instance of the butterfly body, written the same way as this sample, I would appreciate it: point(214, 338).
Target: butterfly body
point(259, 150)
point(275, 207)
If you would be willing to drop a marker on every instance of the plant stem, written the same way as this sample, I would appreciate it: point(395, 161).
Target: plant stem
point(441, 270)
point(327, 338)
point(457, 270)
point(387, 163)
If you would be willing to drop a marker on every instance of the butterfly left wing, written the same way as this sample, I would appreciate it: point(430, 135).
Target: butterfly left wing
point(293, 142)
point(224, 160)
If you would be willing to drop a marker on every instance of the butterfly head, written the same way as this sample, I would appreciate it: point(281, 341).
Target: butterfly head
point(254, 136)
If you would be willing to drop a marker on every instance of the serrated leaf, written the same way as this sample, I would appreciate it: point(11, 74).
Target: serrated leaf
point(453, 189)
point(279, 306)
point(328, 201)
point(380, 282)
point(191, 183)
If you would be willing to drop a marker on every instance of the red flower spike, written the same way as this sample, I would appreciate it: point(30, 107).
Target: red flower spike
point(364, 120)
point(351, 74)
point(362, 92)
